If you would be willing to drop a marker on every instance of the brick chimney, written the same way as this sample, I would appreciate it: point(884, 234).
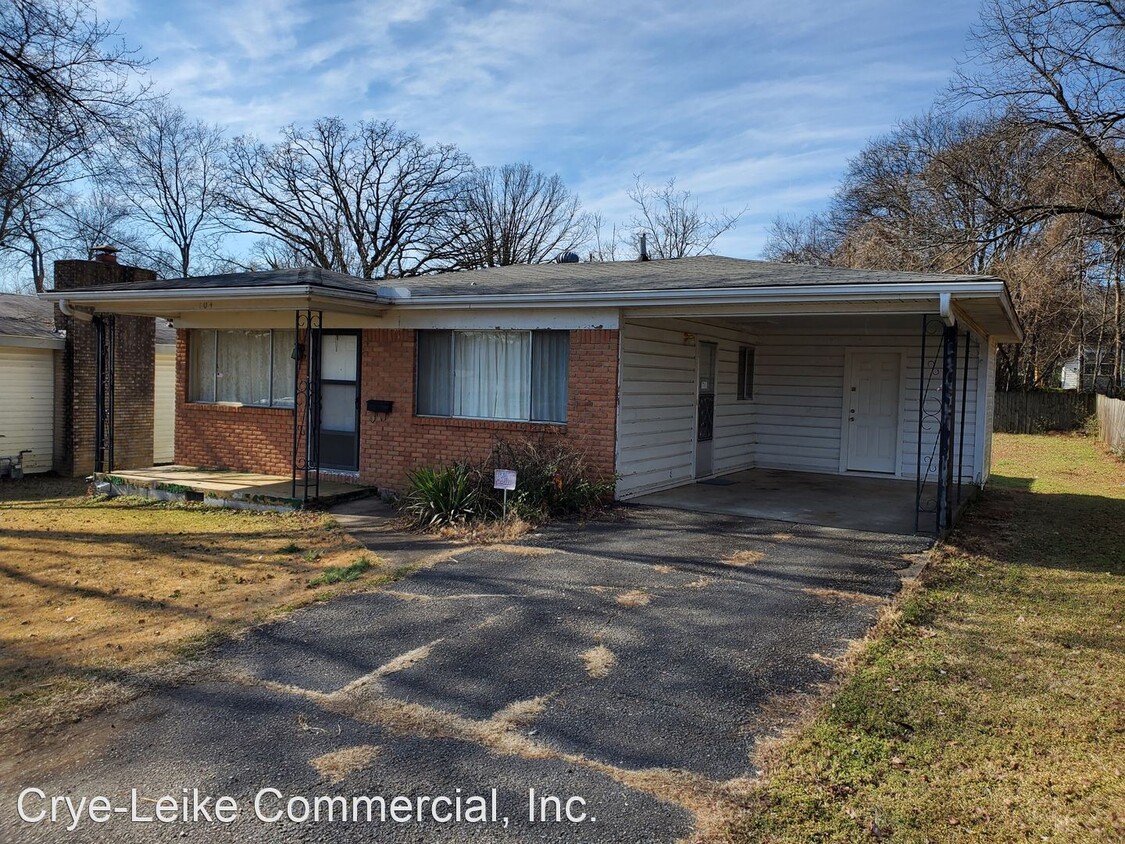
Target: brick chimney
point(134, 371)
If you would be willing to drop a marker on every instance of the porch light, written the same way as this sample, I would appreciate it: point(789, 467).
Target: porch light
point(298, 351)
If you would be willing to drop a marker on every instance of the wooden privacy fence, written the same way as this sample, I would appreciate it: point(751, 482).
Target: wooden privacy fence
point(1036, 411)
point(1111, 423)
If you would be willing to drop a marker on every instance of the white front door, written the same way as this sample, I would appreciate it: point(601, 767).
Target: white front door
point(872, 411)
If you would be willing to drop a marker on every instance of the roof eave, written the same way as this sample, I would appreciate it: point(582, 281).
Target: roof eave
point(711, 295)
point(178, 300)
point(32, 341)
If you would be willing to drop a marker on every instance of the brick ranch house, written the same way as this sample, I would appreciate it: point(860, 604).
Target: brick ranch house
point(662, 373)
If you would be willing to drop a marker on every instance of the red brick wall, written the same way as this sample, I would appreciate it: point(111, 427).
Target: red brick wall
point(249, 439)
point(391, 445)
point(260, 439)
point(134, 371)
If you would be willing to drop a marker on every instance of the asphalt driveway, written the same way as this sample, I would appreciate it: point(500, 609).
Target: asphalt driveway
point(632, 663)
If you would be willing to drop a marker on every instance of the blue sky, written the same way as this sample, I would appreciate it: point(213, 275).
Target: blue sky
point(751, 104)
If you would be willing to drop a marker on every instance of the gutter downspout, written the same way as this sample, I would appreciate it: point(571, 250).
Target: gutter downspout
point(945, 308)
point(77, 313)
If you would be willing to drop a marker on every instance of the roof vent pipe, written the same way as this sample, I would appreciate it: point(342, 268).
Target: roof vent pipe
point(644, 247)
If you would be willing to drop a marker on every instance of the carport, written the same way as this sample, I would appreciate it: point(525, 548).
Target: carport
point(881, 505)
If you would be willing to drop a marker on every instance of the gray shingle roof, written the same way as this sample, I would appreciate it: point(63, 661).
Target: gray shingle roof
point(29, 316)
point(270, 278)
point(704, 272)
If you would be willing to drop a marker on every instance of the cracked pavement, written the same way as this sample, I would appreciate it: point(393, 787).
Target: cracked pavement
point(469, 674)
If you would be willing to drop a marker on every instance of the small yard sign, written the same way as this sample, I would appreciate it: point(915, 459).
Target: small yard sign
point(504, 479)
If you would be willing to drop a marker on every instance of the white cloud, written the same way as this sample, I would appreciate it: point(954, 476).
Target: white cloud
point(747, 103)
point(261, 29)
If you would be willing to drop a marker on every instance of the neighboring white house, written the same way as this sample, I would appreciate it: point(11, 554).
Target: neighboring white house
point(1091, 372)
point(30, 352)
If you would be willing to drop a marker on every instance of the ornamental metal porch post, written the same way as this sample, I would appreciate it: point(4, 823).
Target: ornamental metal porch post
point(105, 342)
point(306, 404)
point(945, 431)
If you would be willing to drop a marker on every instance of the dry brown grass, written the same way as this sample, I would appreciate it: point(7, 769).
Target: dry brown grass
point(743, 559)
point(96, 595)
point(406, 660)
point(520, 713)
point(487, 533)
point(699, 583)
point(339, 764)
point(842, 595)
point(522, 550)
point(634, 598)
point(986, 703)
point(780, 536)
point(599, 661)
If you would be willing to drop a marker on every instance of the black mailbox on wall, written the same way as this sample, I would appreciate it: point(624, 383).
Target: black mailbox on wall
point(380, 405)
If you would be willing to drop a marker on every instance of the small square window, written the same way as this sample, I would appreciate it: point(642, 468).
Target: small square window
point(745, 373)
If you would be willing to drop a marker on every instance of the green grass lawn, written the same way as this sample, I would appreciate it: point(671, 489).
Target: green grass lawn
point(990, 704)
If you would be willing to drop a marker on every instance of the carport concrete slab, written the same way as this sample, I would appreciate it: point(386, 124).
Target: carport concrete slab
point(882, 505)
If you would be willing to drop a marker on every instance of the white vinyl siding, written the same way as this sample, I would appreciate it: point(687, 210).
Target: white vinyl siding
point(657, 412)
point(164, 406)
point(795, 420)
point(800, 388)
point(27, 406)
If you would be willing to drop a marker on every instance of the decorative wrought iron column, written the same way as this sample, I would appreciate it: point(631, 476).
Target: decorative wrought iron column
point(306, 405)
point(929, 423)
point(937, 429)
point(105, 343)
point(945, 435)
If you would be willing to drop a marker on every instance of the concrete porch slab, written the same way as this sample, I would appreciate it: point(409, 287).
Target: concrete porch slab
point(225, 488)
point(881, 505)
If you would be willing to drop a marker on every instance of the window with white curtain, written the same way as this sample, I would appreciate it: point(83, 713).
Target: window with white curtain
point(517, 375)
point(241, 367)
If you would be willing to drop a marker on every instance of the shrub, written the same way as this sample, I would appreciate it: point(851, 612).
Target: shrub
point(444, 495)
point(552, 480)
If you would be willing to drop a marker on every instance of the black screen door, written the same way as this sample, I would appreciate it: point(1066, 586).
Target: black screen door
point(339, 400)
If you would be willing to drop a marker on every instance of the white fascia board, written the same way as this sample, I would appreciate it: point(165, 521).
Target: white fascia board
point(287, 297)
point(27, 342)
point(500, 319)
point(696, 296)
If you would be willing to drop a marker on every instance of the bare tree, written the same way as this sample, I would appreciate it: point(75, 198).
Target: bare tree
point(1058, 66)
point(168, 167)
point(674, 225)
point(516, 214)
point(62, 85)
point(369, 200)
point(606, 243)
point(801, 240)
